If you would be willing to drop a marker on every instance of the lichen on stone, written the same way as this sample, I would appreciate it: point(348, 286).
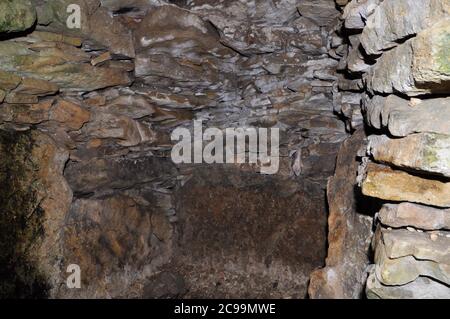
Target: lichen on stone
point(443, 54)
point(16, 15)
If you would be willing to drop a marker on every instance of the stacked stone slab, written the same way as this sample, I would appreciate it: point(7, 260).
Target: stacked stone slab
point(399, 55)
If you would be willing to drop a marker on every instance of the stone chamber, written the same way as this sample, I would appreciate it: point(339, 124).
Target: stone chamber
point(359, 90)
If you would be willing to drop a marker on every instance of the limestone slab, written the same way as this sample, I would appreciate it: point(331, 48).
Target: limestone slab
point(322, 12)
point(402, 242)
point(403, 270)
point(426, 152)
point(395, 185)
point(421, 288)
point(394, 20)
point(418, 216)
point(16, 16)
point(418, 66)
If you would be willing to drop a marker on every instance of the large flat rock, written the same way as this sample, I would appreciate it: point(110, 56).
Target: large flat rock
point(404, 117)
point(421, 288)
point(395, 185)
point(431, 66)
point(60, 64)
point(431, 116)
point(414, 215)
point(400, 243)
point(395, 20)
point(101, 27)
point(357, 12)
point(262, 238)
point(403, 270)
point(349, 232)
point(16, 16)
point(425, 152)
point(418, 66)
point(322, 12)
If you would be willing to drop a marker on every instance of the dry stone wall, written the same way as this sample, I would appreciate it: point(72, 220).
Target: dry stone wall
point(86, 116)
point(104, 99)
point(397, 58)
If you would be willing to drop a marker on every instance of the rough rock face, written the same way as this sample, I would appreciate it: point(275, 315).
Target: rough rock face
point(394, 21)
point(426, 152)
point(349, 231)
point(222, 244)
point(411, 68)
point(403, 117)
point(34, 201)
point(16, 16)
point(418, 216)
point(322, 12)
point(86, 117)
point(95, 108)
point(396, 185)
point(401, 50)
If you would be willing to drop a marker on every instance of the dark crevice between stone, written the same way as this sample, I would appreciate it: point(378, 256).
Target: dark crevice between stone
point(17, 34)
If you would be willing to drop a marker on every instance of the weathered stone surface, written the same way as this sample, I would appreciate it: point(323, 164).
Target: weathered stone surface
point(109, 31)
point(429, 115)
point(59, 67)
point(100, 173)
point(421, 288)
point(342, 2)
point(37, 87)
point(413, 68)
point(395, 20)
point(181, 29)
point(221, 242)
point(109, 245)
point(46, 36)
point(101, 58)
point(355, 60)
point(357, 12)
point(56, 197)
point(404, 117)
point(9, 81)
point(98, 25)
point(386, 183)
point(33, 190)
point(69, 114)
point(418, 216)
point(401, 243)
point(322, 12)
point(132, 5)
point(17, 98)
point(431, 66)
point(349, 233)
point(372, 107)
point(127, 131)
point(26, 113)
point(422, 152)
point(133, 106)
point(17, 15)
point(403, 270)
point(393, 72)
point(400, 50)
